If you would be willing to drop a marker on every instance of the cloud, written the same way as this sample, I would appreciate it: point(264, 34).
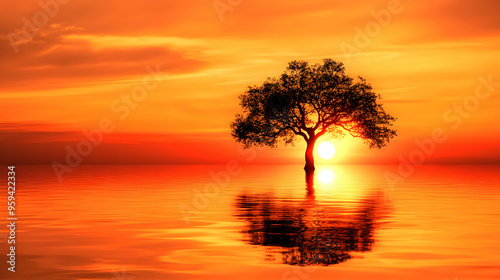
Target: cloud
point(42, 143)
point(464, 19)
point(59, 57)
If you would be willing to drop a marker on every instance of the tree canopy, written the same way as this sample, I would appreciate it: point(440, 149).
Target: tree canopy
point(310, 101)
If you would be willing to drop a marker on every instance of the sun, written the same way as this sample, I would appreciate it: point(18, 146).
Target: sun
point(326, 150)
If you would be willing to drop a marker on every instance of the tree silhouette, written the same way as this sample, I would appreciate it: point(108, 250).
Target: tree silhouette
point(310, 232)
point(311, 101)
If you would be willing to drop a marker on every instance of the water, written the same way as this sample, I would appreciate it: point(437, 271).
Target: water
point(260, 222)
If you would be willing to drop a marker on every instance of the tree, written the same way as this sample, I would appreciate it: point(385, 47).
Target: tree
point(310, 101)
point(308, 232)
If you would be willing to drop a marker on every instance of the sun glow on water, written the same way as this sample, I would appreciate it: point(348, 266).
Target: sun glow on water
point(326, 176)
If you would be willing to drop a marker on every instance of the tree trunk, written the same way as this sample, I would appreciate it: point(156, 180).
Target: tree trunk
point(309, 155)
point(310, 184)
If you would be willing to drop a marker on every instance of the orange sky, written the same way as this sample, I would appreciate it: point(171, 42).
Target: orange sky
point(70, 71)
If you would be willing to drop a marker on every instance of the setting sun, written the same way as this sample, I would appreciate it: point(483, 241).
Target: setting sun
point(326, 150)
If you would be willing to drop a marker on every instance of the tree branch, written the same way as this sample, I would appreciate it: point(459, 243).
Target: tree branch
point(299, 132)
point(348, 130)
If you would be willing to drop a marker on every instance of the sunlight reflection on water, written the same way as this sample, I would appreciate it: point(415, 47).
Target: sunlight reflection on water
point(442, 222)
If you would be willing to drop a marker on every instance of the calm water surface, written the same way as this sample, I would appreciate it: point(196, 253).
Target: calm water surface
point(266, 222)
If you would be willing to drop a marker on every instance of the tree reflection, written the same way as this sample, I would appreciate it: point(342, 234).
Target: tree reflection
point(309, 232)
point(310, 184)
